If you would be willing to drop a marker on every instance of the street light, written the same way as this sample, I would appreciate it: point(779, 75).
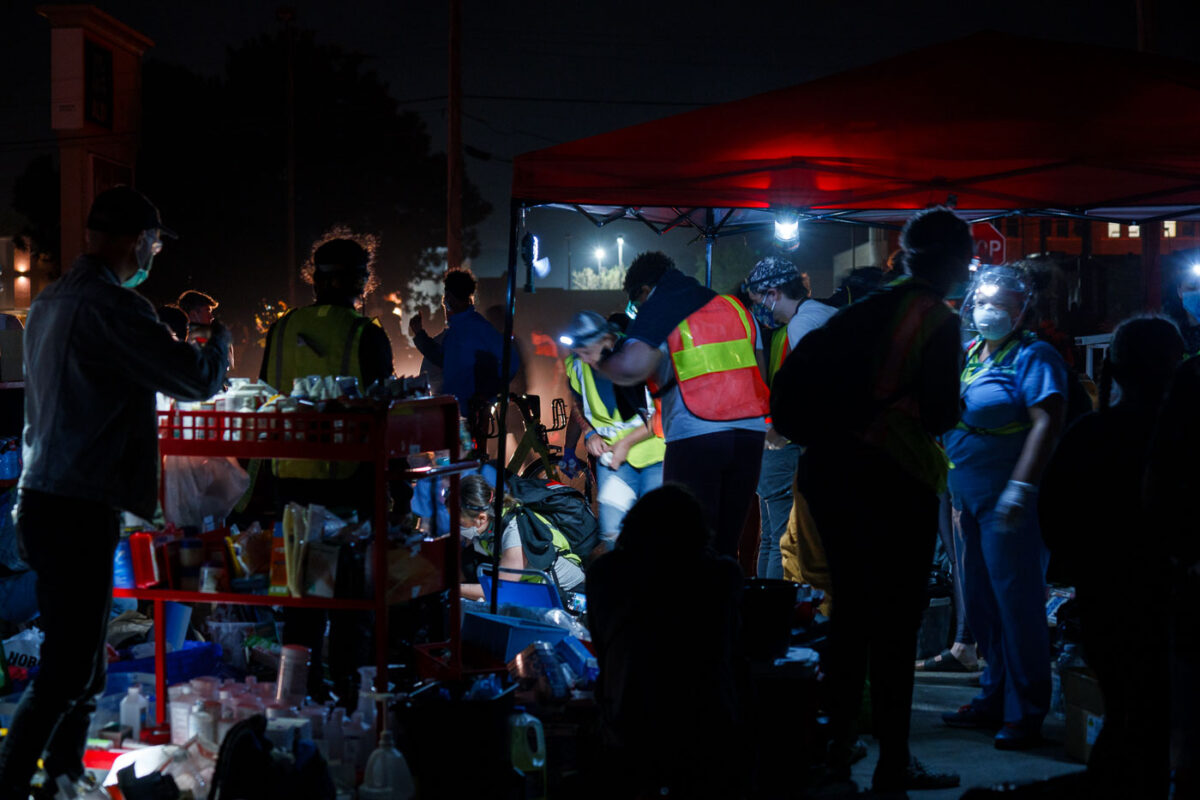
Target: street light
point(621, 252)
point(599, 254)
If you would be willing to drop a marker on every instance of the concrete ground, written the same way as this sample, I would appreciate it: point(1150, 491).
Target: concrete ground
point(967, 752)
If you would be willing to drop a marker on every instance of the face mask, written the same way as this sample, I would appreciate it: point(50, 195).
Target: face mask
point(145, 256)
point(468, 534)
point(992, 323)
point(765, 315)
point(1191, 303)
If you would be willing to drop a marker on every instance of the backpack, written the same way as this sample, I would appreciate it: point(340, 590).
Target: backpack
point(250, 767)
point(539, 502)
point(825, 386)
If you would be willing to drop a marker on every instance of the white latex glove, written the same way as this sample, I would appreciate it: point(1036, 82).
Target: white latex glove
point(1017, 499)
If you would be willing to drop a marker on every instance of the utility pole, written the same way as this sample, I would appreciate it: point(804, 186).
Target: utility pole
point(454, 142)
point(287, 16)
point(568, 236)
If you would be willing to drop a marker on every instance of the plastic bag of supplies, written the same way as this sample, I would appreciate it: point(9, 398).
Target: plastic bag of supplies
point(195, 487)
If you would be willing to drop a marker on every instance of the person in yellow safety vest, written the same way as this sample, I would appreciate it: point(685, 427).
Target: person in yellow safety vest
point(329, 337)
point(618, 434)
point(780, 296)
point(477, 530)
point(700, 353)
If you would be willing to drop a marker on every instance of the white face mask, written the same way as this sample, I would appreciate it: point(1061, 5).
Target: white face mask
point(468, 534)
point(992, 323)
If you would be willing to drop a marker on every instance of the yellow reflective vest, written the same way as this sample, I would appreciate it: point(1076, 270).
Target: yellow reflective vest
point(315, 340)
point(607, 422)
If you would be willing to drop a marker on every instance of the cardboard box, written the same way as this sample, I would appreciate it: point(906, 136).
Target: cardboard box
point(1085, 711)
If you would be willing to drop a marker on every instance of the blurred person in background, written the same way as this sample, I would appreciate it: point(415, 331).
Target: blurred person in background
point(1116, 561)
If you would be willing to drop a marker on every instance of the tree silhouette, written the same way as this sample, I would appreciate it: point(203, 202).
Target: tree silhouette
point(213, 157)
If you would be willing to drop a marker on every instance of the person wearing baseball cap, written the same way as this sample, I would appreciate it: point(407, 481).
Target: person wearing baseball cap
point(616, 422)
point(95, 354)
point(779, 294)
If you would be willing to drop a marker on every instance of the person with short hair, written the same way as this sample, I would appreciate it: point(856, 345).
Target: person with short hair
point(95, 354)
point(781, 304)
point(472, 353)
point(699, 352)
point(329, 337)
point(198, 306)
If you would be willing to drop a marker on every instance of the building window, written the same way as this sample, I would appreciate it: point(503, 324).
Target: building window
point(1012, 227)
point(1135, 231)
point(1169, 229)
point(1062, 228)
point(1114, 230)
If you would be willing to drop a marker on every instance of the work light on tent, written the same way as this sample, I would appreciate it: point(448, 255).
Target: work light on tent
point(787, 229)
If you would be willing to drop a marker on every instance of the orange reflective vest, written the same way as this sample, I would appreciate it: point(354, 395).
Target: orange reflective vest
point(712, 355)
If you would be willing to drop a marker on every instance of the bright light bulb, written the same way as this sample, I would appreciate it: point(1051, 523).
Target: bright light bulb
point(598, 253)
point(989, 289)
point(1196, 270)
point(787, 230)
point(566, 340)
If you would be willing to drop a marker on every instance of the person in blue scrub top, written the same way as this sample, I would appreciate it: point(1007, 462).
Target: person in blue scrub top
point(1014, 390)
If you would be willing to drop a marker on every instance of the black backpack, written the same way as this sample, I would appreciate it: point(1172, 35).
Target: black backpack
point(250, 767)
point(562, 507)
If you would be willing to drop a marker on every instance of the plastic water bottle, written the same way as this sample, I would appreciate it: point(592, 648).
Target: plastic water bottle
point(387, 775)
point(366, 696)
point(133, 710)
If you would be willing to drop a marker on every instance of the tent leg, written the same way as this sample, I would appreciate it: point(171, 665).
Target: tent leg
point(514, 221)
point(708, 243)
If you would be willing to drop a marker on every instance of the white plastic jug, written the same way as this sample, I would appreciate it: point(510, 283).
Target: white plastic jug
point(133, 709)
point(387, 775)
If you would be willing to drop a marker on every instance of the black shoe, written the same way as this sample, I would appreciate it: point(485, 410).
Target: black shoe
point(915, 777)
point(969, 716)
point(1016, 736)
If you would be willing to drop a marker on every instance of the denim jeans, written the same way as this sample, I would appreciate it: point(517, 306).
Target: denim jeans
point(640, 482)
point(69, 543)
point(775, 505)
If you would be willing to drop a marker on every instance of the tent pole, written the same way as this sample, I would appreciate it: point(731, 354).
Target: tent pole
point(514, 217)
point(708, 244)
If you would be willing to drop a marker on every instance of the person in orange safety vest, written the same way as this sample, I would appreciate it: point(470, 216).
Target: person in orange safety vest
point(700, 354)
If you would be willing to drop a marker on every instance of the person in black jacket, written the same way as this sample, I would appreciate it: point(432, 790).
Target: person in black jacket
point(890, 386)
point(1094, 520)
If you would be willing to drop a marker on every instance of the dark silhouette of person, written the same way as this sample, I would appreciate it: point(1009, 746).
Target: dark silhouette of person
point(1116, 562)
point(1171, 481)
point(890, 388)
point(668, 688)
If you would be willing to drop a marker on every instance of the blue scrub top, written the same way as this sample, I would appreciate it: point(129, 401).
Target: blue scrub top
point(1000, 394)
point(427, 489)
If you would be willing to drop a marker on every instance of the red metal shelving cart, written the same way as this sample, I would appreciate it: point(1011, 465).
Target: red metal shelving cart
point(383, 437)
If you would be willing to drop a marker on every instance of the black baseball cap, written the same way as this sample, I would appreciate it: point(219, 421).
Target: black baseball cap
point(125, 210)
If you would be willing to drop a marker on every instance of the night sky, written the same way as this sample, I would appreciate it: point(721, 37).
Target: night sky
point(539, 73)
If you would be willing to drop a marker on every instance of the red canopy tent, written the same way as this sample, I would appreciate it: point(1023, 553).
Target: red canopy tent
point(999, 123)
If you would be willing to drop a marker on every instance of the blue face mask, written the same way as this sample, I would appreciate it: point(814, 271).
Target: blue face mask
point(137, 278)
point(1191, 303)
point(765, 315)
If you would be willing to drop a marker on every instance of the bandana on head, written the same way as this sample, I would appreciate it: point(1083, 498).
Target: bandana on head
point(770, 273)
